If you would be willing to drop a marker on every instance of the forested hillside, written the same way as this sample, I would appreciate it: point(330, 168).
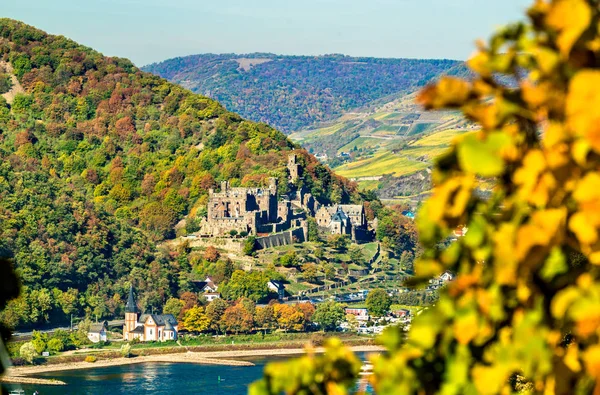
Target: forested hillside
point(293, 92)
point(99, 161)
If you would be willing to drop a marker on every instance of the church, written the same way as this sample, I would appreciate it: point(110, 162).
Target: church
point(147, 327)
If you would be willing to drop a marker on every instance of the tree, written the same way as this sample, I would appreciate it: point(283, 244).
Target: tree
point(214, 312)
point(310, 272)
point(289, 260)
point(289, 317)
point(237, 319)
point(356, 254)
point(251, 285)
point(125, 350)
point(339, 242)
point(174, 306)
point(524, 305)
point(378, 302)
point(352, 321)
point(195, 320)
point(39, 341)
point(329, 271)
point(28, 352)
point(313, 230)
point(406, 261)
point(264, 317)
point(55, 345)
point(211, 254)
point(249, 245)
point(308, 310)
point(329, 315)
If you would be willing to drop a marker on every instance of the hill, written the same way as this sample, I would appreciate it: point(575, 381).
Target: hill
point(98, 163)
point(387, 145)
point(294, 92)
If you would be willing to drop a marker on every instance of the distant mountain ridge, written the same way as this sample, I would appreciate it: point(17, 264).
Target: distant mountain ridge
point(295, 92)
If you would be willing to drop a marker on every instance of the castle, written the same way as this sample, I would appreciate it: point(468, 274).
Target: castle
point(344, 219)
point(147, 327)
point(256, 210)
point(261, 211)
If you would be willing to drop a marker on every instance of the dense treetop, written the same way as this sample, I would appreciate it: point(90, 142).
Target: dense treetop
point(99, 160)
point(292, 92)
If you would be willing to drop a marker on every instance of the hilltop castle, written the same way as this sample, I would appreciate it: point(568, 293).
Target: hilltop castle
point(261, 211)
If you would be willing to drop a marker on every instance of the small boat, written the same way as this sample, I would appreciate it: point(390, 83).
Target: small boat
point(16, 392)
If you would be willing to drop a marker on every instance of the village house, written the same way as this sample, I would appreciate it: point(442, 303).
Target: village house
point(97, 332)
point(361, 314)
point(207, 288)
point(278, 287)
point(147, 327)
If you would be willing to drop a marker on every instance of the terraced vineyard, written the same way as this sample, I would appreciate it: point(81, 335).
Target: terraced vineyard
point(385, 141)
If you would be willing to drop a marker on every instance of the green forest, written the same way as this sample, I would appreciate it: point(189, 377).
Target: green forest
point(293, 92)
point(99, 160)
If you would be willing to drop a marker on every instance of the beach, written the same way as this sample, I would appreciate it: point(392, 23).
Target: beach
point(21, 374)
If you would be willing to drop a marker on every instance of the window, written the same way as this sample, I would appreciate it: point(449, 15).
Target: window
point(151, 332)
point(159, 333)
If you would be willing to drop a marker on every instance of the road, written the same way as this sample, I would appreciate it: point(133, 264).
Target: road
point(64, 328)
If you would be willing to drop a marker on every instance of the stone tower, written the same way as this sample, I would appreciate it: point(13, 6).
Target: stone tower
point(131, 315)
point(293, 168)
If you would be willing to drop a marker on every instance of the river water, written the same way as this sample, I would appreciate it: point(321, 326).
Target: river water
point(153, 378)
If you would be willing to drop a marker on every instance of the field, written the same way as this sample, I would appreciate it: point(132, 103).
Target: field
point(384, 163)
point(397, 138)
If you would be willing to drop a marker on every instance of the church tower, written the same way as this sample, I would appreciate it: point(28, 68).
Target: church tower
point(131, 315)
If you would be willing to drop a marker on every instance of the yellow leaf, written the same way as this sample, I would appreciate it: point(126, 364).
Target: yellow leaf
point(583, 102)
point(466, 327)
point(448, 91)
point(571, 358)
point(570, 18)
point(582, 227)
point(591, 359)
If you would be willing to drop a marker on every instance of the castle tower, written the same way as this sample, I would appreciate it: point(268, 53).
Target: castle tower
point(273, 184)
point(293, 168)
point(224, 186)
point(131, 315)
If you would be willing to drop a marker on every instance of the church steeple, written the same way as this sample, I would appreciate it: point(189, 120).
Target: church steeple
point(130, 307)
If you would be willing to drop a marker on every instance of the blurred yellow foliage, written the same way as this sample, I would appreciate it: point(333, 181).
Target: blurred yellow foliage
point(524, 311)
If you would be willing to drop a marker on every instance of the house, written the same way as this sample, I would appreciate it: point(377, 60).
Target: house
point(97, 332)
point(208, 285)
point(278, 287)
point(147, 327)
point(446, 276)
point(210, 296)
point(359, 313)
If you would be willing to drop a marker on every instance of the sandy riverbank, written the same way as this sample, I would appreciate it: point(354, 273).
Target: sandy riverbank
point(208, 357)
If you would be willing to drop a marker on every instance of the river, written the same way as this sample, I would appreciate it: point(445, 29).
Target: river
point(153, 378)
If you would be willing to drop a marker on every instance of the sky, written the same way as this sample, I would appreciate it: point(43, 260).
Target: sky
point(147, 31)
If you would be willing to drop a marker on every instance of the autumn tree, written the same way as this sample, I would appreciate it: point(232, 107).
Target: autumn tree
point(237, 319)
point(211, 254)
point(264, 317)
point(524, 305)
point(195, 320)
point(289, 317)
point(214, 312)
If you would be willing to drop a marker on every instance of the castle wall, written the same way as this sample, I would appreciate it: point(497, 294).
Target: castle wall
point(281, 239)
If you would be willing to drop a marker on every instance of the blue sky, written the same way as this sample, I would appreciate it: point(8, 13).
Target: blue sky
point(146, 31)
